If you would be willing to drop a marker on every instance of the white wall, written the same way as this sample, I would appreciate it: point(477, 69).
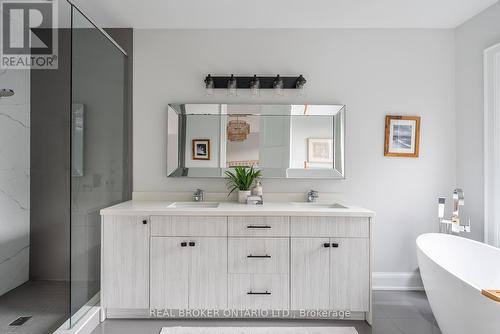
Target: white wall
point(472, 38)
point(373, 72)
point(14, 179)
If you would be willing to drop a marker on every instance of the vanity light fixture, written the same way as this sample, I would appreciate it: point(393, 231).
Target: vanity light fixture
point(209, 85)
point(232, 86)
point(278, 86)
point(255, 86)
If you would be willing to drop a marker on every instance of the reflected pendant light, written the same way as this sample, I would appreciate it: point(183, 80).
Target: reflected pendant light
point(238, 130)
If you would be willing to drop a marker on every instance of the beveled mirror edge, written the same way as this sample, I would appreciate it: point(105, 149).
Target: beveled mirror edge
point(181, 171)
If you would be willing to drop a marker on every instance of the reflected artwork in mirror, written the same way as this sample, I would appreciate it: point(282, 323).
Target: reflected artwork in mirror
point(283, 141)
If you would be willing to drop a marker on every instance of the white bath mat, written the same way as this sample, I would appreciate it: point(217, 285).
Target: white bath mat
point(258, 330)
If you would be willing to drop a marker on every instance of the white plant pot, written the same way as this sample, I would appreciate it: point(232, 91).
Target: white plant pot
point(242, 196)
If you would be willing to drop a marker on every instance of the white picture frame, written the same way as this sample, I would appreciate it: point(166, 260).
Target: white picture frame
point(320, 150)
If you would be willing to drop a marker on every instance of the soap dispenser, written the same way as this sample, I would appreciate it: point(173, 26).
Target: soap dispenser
point(257, 189)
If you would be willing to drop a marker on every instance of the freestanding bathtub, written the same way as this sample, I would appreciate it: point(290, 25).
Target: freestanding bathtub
point(454, 271)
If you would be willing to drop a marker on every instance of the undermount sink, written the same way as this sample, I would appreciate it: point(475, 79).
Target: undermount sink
point(319, 205)
point(193, 205)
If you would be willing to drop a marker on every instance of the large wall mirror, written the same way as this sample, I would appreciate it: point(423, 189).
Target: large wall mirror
point(283, 141)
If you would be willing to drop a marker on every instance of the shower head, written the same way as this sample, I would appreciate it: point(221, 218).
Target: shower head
point(6, 92)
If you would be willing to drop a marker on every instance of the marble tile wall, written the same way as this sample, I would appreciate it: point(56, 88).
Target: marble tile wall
point(14, 179)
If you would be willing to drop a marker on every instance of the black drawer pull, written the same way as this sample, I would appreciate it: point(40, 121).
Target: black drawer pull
point(259, 256)
point(258, 226)
point(258, 293)
point(326, 245)
point(184, 244)
point(192, 244)
point(335, 245)
point(145, 221)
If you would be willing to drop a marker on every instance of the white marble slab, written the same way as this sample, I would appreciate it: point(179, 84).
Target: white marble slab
point(14, 270)
point(14, 180)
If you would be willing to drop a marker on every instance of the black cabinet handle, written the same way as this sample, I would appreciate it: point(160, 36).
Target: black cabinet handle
point(184, 244)
point(259, 256)
point(335, 245)
point(326, 245)
point(258, 226)
point(145, 221)
point(258, 293)
point(192, 244)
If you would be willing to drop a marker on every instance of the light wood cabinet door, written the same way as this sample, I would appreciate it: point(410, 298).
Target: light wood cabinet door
point(208, 273)
point(125, 262)
point(309, 272)
point(170, 259)
point(349, 274)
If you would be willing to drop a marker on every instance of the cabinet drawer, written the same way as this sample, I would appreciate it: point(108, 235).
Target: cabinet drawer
point(262, 292)
point(188, 226)
point(258, 255)
point(336, 227)
point(259, 226)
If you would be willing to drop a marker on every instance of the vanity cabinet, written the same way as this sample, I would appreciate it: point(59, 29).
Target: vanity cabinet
point(252, 262)
point(330, 263)
point(188, 273)
point(125, 262)
point(349, 274)
point(310, 273)
point(330, 273)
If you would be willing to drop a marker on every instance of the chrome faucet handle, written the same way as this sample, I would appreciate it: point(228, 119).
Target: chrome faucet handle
point(312, 195)
point(441, 203)
point(458, 196)
point(198, 195)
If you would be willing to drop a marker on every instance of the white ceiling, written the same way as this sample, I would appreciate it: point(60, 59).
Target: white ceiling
point(226, 14)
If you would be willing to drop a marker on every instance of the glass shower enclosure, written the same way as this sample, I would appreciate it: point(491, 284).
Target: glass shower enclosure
point(99, 150)
point(64, 155)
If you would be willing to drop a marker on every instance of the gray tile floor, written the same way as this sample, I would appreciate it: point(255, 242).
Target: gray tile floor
point(46, 301)
point(394, 313)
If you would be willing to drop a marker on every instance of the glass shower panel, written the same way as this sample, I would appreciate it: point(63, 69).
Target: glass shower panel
point(99, 160)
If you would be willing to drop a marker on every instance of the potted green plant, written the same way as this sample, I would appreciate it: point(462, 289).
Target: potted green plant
point(242, 179)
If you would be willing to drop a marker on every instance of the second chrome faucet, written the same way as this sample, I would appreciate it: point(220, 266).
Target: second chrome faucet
point(312, 196)
point(198, 195)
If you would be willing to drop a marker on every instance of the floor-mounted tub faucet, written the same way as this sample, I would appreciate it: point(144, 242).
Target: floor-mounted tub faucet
point(458, 201)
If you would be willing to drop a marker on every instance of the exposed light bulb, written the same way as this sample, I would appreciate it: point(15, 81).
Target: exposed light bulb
point(255, 86)
point(300, 85)
point(278, 86)
point(209, 85)
point(232, 86)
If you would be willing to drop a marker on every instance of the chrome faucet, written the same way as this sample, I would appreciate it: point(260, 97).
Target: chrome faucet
point(312, 195)
point(458, 201)
point(199, 195)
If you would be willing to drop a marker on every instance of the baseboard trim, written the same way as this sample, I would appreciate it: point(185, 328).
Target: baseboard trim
point(397, 281)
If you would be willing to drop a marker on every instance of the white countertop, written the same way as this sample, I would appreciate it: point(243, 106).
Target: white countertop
point(147, 208)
